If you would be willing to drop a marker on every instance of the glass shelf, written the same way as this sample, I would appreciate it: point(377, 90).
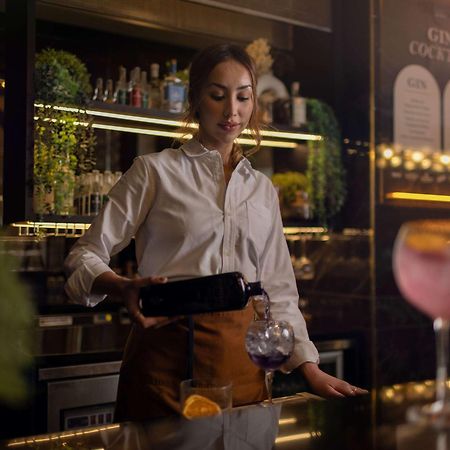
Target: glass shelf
point(125, 118)
point(45, 229)
point(155, 122)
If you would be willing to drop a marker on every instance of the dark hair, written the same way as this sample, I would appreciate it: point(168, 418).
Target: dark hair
point(201, 66)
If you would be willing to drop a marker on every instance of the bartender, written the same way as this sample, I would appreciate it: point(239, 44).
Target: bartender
point(197, 210)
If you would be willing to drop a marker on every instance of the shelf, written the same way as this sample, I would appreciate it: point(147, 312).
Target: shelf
point(69, 229)
point(295, 233)
point(155, 122)
point(125, 118)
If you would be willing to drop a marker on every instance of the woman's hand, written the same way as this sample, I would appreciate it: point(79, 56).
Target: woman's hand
point(326, 385)
point(128, 289)
point(130, 294)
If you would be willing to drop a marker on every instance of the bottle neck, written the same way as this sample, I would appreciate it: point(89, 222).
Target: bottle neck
point(254, 289)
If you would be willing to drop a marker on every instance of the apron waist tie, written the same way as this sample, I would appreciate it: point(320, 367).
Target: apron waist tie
point(190, 358)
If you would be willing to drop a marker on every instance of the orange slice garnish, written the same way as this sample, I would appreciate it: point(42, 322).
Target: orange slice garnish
point(199, 406)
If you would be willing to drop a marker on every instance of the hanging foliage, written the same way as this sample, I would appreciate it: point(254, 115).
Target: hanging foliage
point(64, 139)
point(326, 174)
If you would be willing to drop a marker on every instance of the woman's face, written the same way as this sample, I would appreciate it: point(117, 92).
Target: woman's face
point(226, 105)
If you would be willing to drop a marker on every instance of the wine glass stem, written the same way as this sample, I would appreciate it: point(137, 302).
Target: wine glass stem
point(269, 380)
point(441, 328)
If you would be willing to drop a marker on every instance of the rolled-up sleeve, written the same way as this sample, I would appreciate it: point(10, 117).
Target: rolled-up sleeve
point(129, 202)
point(279, 282)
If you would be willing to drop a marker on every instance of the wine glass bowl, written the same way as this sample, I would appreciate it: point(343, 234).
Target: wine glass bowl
point(269, 344)
point(421, 264)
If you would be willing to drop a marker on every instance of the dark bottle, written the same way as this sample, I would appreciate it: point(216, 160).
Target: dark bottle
point(213, 293)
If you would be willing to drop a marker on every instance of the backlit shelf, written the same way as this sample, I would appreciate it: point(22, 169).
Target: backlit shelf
point(155, 122)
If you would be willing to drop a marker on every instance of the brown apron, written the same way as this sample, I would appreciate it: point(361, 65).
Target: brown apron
point(155, 362)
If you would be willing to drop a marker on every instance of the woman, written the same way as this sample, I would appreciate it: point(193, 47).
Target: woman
point(197, 210)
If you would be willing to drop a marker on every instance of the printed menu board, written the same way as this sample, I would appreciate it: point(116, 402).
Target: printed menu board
point(413, 101)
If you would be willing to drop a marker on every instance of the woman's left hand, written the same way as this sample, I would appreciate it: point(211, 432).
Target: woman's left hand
point(326, 385)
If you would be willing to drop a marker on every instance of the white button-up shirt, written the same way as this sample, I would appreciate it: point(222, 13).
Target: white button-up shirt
point(187, 222)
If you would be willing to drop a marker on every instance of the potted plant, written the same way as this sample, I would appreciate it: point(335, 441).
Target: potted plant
point(292, 189)
point(325, 173)
point(64, 139)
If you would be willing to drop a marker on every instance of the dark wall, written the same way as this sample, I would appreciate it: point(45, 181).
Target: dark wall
point(351, 82)
point(103, 53)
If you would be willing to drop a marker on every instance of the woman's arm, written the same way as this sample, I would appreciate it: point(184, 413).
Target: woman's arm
point(110, 283)
point(279, 281)
point(129, 203)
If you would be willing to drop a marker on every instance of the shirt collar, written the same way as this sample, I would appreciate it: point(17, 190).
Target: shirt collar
point(245, 167)
point(193, 148)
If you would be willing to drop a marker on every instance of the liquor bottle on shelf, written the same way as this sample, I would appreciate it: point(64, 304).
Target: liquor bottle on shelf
point(222, 292)
point(86, 186)
point(108, 95)
point(108, 182)
point(77, 194)
point(130, 86)
point(120, 96)
point(95, 194)
point(144, 90)
point(173, 90)
point(136, 95)
point(98, 91)
point(298, 108)
point(155, 87)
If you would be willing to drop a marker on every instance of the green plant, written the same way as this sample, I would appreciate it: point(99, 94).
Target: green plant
point(64, 139)
point(16, 319)
point(289, 184)
point(325, 173)
point(61, 78)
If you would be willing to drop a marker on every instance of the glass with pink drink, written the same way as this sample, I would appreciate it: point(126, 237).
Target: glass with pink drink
point(421, 263)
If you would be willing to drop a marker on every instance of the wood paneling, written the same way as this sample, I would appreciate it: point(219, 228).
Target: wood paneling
point(198, 24)
point(307, 13)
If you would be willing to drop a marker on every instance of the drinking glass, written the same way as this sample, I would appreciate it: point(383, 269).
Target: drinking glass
point(421, 263)
point(269, 344)
point(205, 397)
point(304, 267)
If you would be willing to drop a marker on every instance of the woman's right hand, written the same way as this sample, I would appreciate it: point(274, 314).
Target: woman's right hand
point(128, 288)
point(130, 294)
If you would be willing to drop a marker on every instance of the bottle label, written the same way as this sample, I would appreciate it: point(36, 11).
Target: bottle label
point(136, 98)
point(122, 97)
point(144, 100)
point(95, 203)
point(298, 111)
point(174, 95)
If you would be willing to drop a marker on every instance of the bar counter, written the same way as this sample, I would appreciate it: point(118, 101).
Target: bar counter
point(374, 421)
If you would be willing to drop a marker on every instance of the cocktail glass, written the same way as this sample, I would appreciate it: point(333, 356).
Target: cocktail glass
point(269, 344)
point(421, 263)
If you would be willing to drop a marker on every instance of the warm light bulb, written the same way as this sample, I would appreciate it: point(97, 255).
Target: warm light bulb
point(396, 161)
point(417, 156)
point(445, 159)
point(388, 153)
point(410, 165)
point(425, 164)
